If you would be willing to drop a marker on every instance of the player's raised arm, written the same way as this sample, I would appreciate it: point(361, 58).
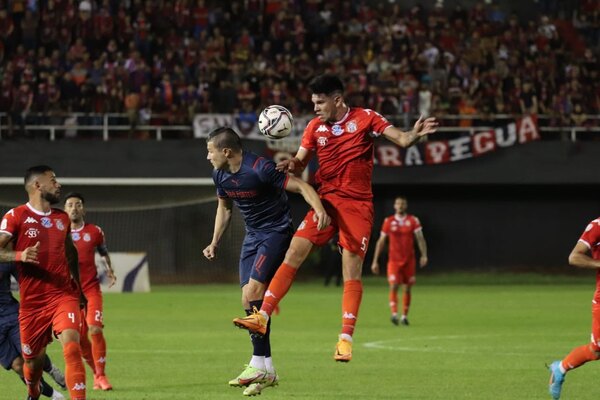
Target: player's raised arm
point(222, 220)
point(297, 185)
point(421, 128)
point(297, 164)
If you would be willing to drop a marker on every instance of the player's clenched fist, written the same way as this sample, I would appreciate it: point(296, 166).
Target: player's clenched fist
point(210, 252)
point(30, 254)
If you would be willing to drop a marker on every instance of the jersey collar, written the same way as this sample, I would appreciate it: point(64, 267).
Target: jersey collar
point(36, 211)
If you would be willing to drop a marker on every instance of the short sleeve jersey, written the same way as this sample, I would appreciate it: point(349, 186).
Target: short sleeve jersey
point(51, 277)
point(258, 190)
point(345, 152)
point(401, 234)
point(87, 239)
point(591, 238)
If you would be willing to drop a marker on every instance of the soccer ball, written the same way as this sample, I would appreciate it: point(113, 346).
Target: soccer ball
point(275, 122)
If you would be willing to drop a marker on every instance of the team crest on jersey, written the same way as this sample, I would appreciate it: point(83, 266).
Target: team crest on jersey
point(337, 130)
point(46, 222)
point(351, 127)
point(322, 141)
point(75, 236)
point(32, 233)
point(59, 225)
point(87, 237)
point(26, 349)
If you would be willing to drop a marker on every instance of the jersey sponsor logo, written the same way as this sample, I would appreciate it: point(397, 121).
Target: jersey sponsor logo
point(30, 220)
point(87, 237)
point(322, 128)
point(75, 236)
point(322, 141)
point(3, 224)
point(337, 130)
point(349, 315)
point(26, 349)
point(46, 222)
point(32, 233)
point(59, 225)
point(351, 126)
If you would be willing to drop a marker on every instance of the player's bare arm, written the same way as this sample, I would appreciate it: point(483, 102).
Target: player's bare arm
point(580, 257)
point(297, 164)
point(29, 255)
point(297, 185)
point(109, 269)
point(422, 244)
point(222, 220)
point(378, 249)
point(422, 127)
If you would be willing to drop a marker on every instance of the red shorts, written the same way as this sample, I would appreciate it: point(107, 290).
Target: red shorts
point(94, 307)
point(352, 218)
point(596, 325)
point(402, 273)
point(36, 326)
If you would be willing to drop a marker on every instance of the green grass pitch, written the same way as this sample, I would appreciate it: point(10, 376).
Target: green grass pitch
point(468, 339)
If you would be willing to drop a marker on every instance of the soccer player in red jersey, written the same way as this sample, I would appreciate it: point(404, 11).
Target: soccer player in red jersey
point(342, 137)
point(401, 229)
point(89, 238)
point(585, 254)
point(50, 290)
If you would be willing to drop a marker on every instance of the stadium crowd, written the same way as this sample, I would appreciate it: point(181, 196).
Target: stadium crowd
point(181, 57)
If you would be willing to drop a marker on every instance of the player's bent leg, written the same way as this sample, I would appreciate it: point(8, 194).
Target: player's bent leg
point(99, 356)
point(351, 299)
point(54, 372)
point(32, 373)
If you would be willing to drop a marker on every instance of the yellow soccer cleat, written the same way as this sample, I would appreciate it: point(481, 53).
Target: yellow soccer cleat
point(255, 323)
point(343, 351)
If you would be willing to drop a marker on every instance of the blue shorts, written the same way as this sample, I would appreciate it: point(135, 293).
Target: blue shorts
point(10, 341)
point(262, 253)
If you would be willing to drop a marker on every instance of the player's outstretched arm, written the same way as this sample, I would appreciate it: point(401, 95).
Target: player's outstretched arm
point(222, 220)
point(422, 127)
point(297, 185)
point(580, 257)
point(297, 164)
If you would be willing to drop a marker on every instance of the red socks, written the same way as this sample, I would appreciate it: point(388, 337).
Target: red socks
point(405, 302)
point(350, 304)
point(99, 352)
point(74, 371)
point(32, 379)
point(394, 301)
point(279, 286)
point(86, 351)
point(578, 356)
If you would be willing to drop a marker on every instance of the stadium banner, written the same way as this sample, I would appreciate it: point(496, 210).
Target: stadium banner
point(466, 146)
point(245, 124)
point(131, 270)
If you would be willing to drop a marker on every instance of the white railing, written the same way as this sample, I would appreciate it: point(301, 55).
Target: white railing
point(107, 131)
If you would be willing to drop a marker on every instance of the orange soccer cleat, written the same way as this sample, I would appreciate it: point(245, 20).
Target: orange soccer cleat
point(101, 383)
point(255, 323)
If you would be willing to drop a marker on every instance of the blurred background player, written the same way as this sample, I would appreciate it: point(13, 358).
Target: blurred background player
point(585, 254)
point(258, 190)
point(401, 229)
point(89, 238)
point(10, 340)
point(49, 286)
point(342, 137)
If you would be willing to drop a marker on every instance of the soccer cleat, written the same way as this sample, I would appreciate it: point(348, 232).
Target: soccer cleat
point(343, 351)
point(395, 320)
point(271, 379)
point(404, 321)
point(556, 380)
point(248, 376)
point(58, 377)
point(56, 395)
point(101, 383)
point(255, 323)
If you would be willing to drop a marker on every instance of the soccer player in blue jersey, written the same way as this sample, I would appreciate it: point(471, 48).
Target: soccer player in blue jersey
point(254, 185)
point(10, 339)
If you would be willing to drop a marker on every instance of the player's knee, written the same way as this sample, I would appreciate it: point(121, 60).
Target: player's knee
point(595, 348)
point(95, 329)
point(17, 365)
point(72, 351)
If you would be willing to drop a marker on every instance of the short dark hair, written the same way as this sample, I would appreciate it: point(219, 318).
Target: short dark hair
point(35, 171)
point(401, 196)
point(75, 195)
point(326, 84)
point(225, 137)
